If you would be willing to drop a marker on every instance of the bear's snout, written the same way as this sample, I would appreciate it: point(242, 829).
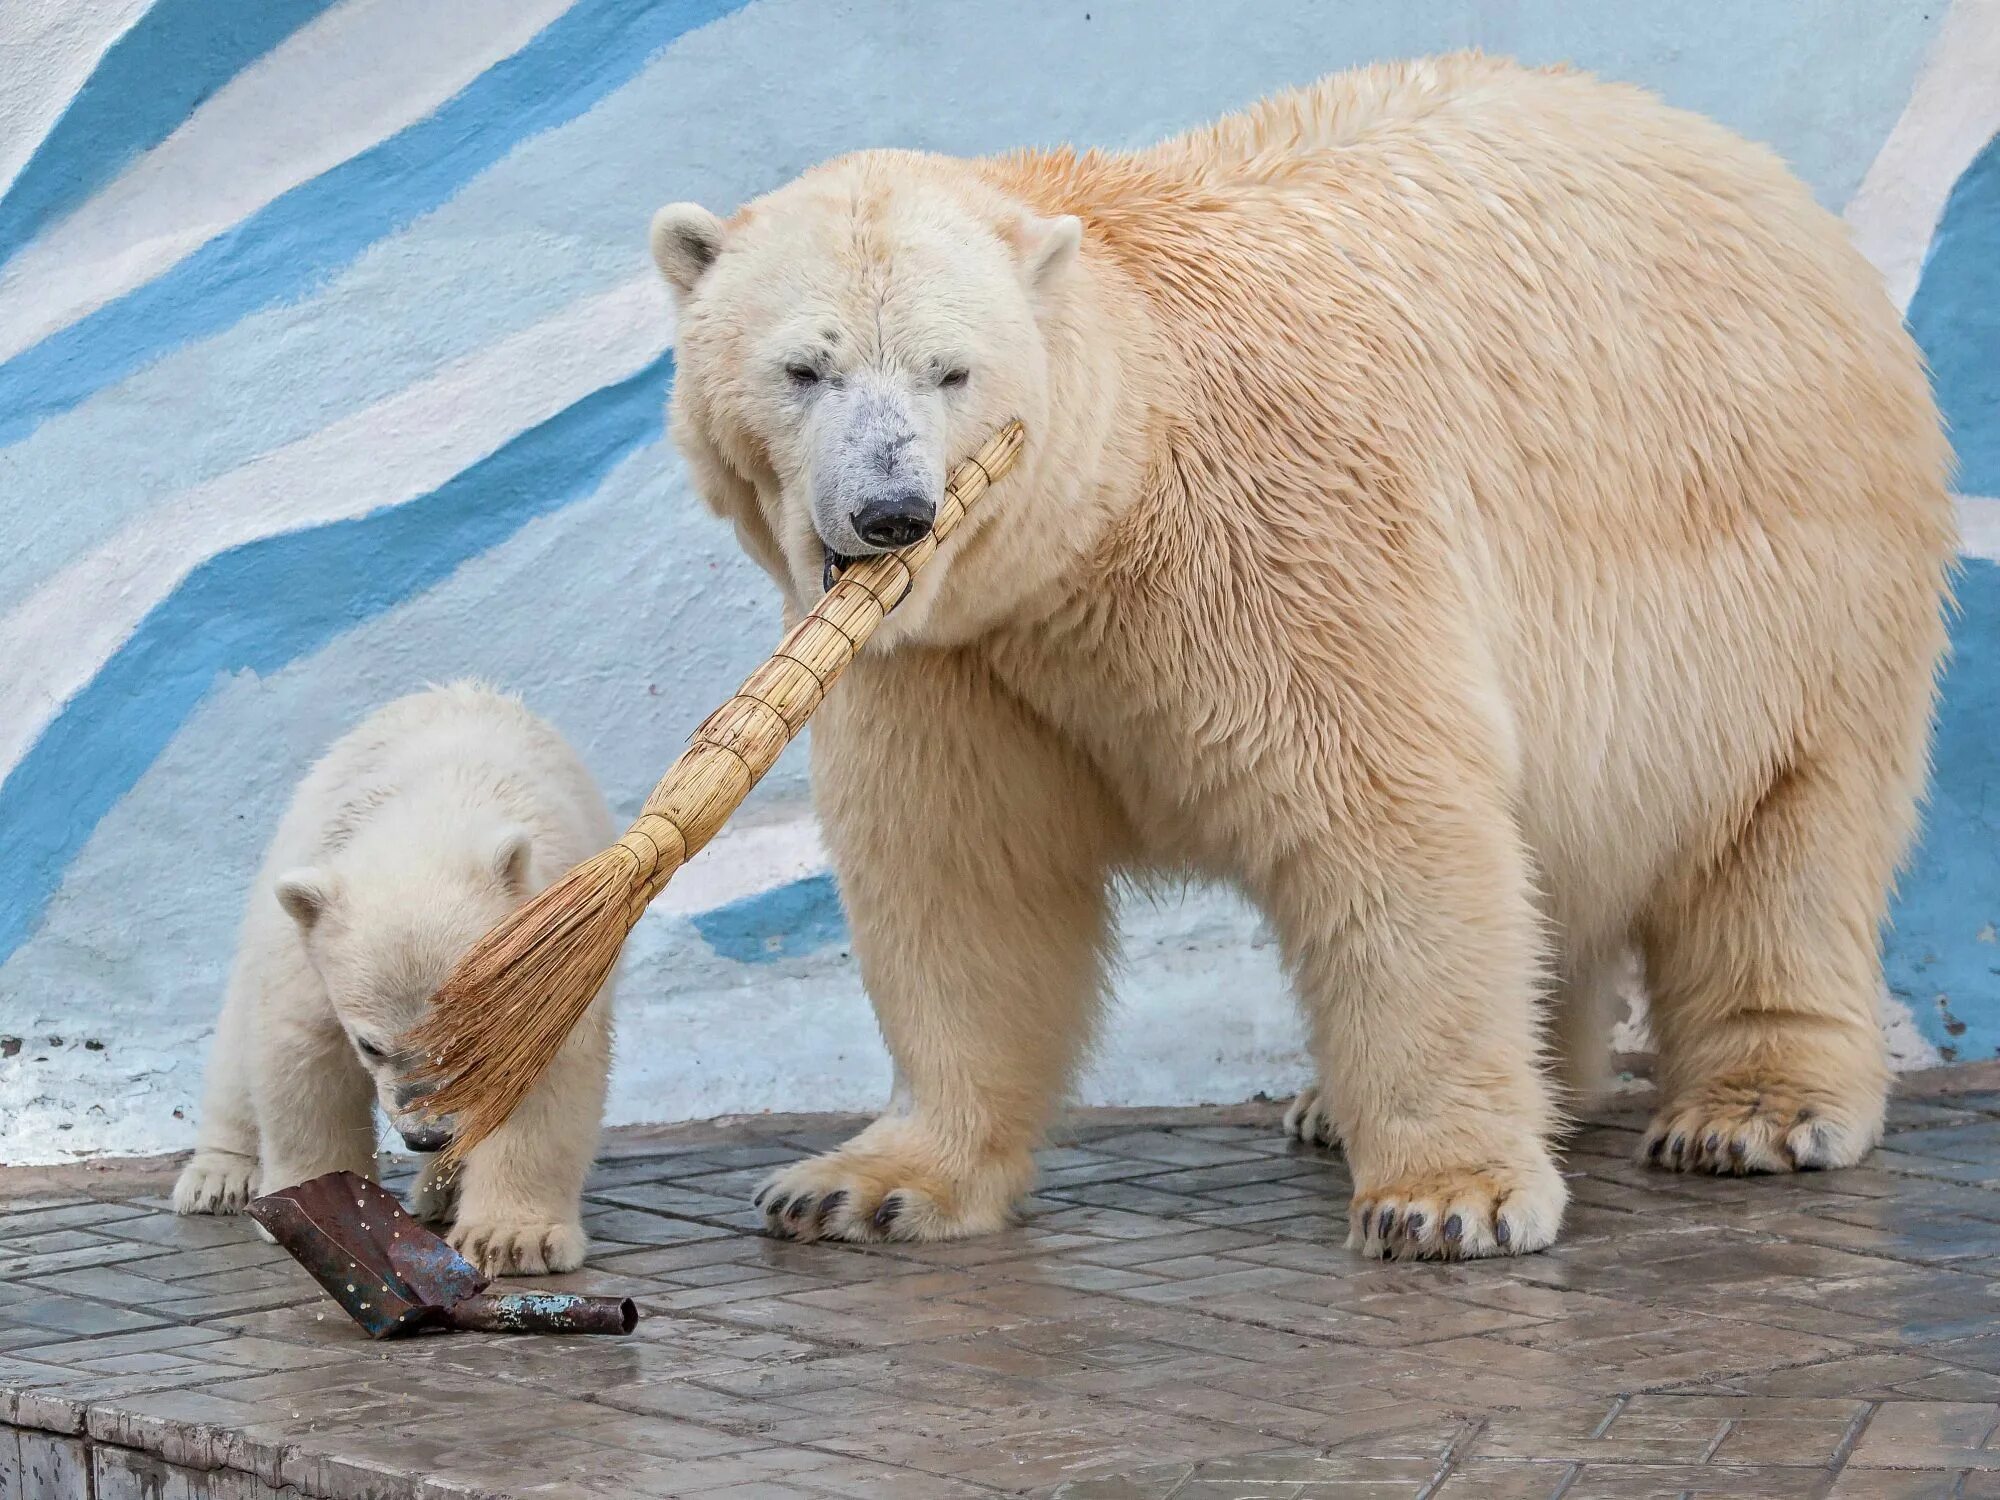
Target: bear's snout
point(875, 477)
point(418, 1132)
point(425, 1135)
point(894, 520)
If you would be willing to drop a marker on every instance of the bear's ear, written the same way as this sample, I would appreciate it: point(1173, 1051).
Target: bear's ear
point(686, 238)
point(509, 858)
point(1047, 247)
point(305, 896)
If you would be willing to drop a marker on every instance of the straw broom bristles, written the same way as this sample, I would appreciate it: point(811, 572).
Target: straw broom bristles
point(508, 1006)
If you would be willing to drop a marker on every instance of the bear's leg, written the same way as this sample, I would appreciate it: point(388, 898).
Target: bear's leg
point(520, 1194)
point(1764, 972)
point(315, 1104)
point(1421, 986)
point(222, 1176)
point(1582, 1004)
point(973, 850)
point(1583, 1010)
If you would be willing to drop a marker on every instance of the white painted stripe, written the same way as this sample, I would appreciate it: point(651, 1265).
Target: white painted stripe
point(351, 78)
point(1953, 111)
point(743, 862)
point(48, 49)
point(1979, 527)
point(385, 454)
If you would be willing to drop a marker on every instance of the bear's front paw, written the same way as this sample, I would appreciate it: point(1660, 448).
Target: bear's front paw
point(1747, 1124)
point(1310, 1119)
point(215, 1182)
point(887, 1189)
point(516, 1248)
point(1459, 1214)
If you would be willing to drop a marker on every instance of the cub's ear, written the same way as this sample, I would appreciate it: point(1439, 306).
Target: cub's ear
point(510, 858)
point(305, 896)
point(1047, 246)
point(686, 238)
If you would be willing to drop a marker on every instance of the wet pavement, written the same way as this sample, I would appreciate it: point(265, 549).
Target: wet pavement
point(1175, 1318)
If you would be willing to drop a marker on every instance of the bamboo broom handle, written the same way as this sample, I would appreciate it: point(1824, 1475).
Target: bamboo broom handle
point(742, 740)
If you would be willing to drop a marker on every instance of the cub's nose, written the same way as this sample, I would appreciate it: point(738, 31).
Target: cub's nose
point(895, 520)
point(426, 1137)
point(418, 1133)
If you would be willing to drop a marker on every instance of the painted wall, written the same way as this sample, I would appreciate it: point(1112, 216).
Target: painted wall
point(331, 363)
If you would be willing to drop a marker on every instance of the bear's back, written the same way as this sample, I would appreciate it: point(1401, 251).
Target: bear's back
point(1500, 280)
point(446, 753)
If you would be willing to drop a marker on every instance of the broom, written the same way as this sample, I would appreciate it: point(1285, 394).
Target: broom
point(507, 1007)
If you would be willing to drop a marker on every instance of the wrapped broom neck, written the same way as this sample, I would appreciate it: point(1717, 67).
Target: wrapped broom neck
point(507, 1008)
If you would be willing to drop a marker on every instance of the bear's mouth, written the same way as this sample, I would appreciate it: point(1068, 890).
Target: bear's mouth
point(834, 563)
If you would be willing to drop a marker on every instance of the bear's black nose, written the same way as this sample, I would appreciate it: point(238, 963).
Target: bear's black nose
point(895, 520)
point(426, 1137)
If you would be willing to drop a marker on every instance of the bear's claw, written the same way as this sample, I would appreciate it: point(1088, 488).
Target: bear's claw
point(1310, 1120)
point(884, 1190)
point(1459, 1215)
point(515, 1249)
point(215, 1182)
point(1740, 1127)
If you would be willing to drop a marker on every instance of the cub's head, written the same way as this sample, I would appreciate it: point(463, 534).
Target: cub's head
point(383, 931)
point(845, 341)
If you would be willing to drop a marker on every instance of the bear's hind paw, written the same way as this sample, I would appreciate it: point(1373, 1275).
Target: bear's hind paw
point(1309, 1120)
point(1744, 1125)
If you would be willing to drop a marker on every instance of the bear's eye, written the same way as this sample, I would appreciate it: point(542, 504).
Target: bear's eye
point(955, 377)
point(801, 375)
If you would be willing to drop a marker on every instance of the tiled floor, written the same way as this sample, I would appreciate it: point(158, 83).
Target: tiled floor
point(1176, 1318)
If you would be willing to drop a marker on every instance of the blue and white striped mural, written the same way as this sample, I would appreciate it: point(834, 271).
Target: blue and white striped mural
point(331, 363)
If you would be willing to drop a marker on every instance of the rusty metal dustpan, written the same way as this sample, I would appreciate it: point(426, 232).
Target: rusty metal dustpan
point(395, 1277)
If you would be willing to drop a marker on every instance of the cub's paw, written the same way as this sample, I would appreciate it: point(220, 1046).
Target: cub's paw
point(1460, 1214)
point(434, 1195)
point(514, 1248)
point(215, 1182)
point(1310, 1119)
point(881, 1193)
point(1742, 1125)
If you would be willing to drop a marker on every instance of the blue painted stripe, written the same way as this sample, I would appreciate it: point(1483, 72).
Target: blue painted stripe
point(787, 922)
point(297, 241)
point(272, 601)
point(1942, 953)
point(144, 86)
point(1955, 315)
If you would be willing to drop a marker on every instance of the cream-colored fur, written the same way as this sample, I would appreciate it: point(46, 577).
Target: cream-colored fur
point(412, 837)
point(1486, 515)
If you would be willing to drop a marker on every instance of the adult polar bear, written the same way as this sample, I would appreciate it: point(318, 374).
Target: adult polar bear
point(1483, 513)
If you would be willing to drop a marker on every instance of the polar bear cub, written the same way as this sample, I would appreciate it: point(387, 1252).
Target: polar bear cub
point(408, 841)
